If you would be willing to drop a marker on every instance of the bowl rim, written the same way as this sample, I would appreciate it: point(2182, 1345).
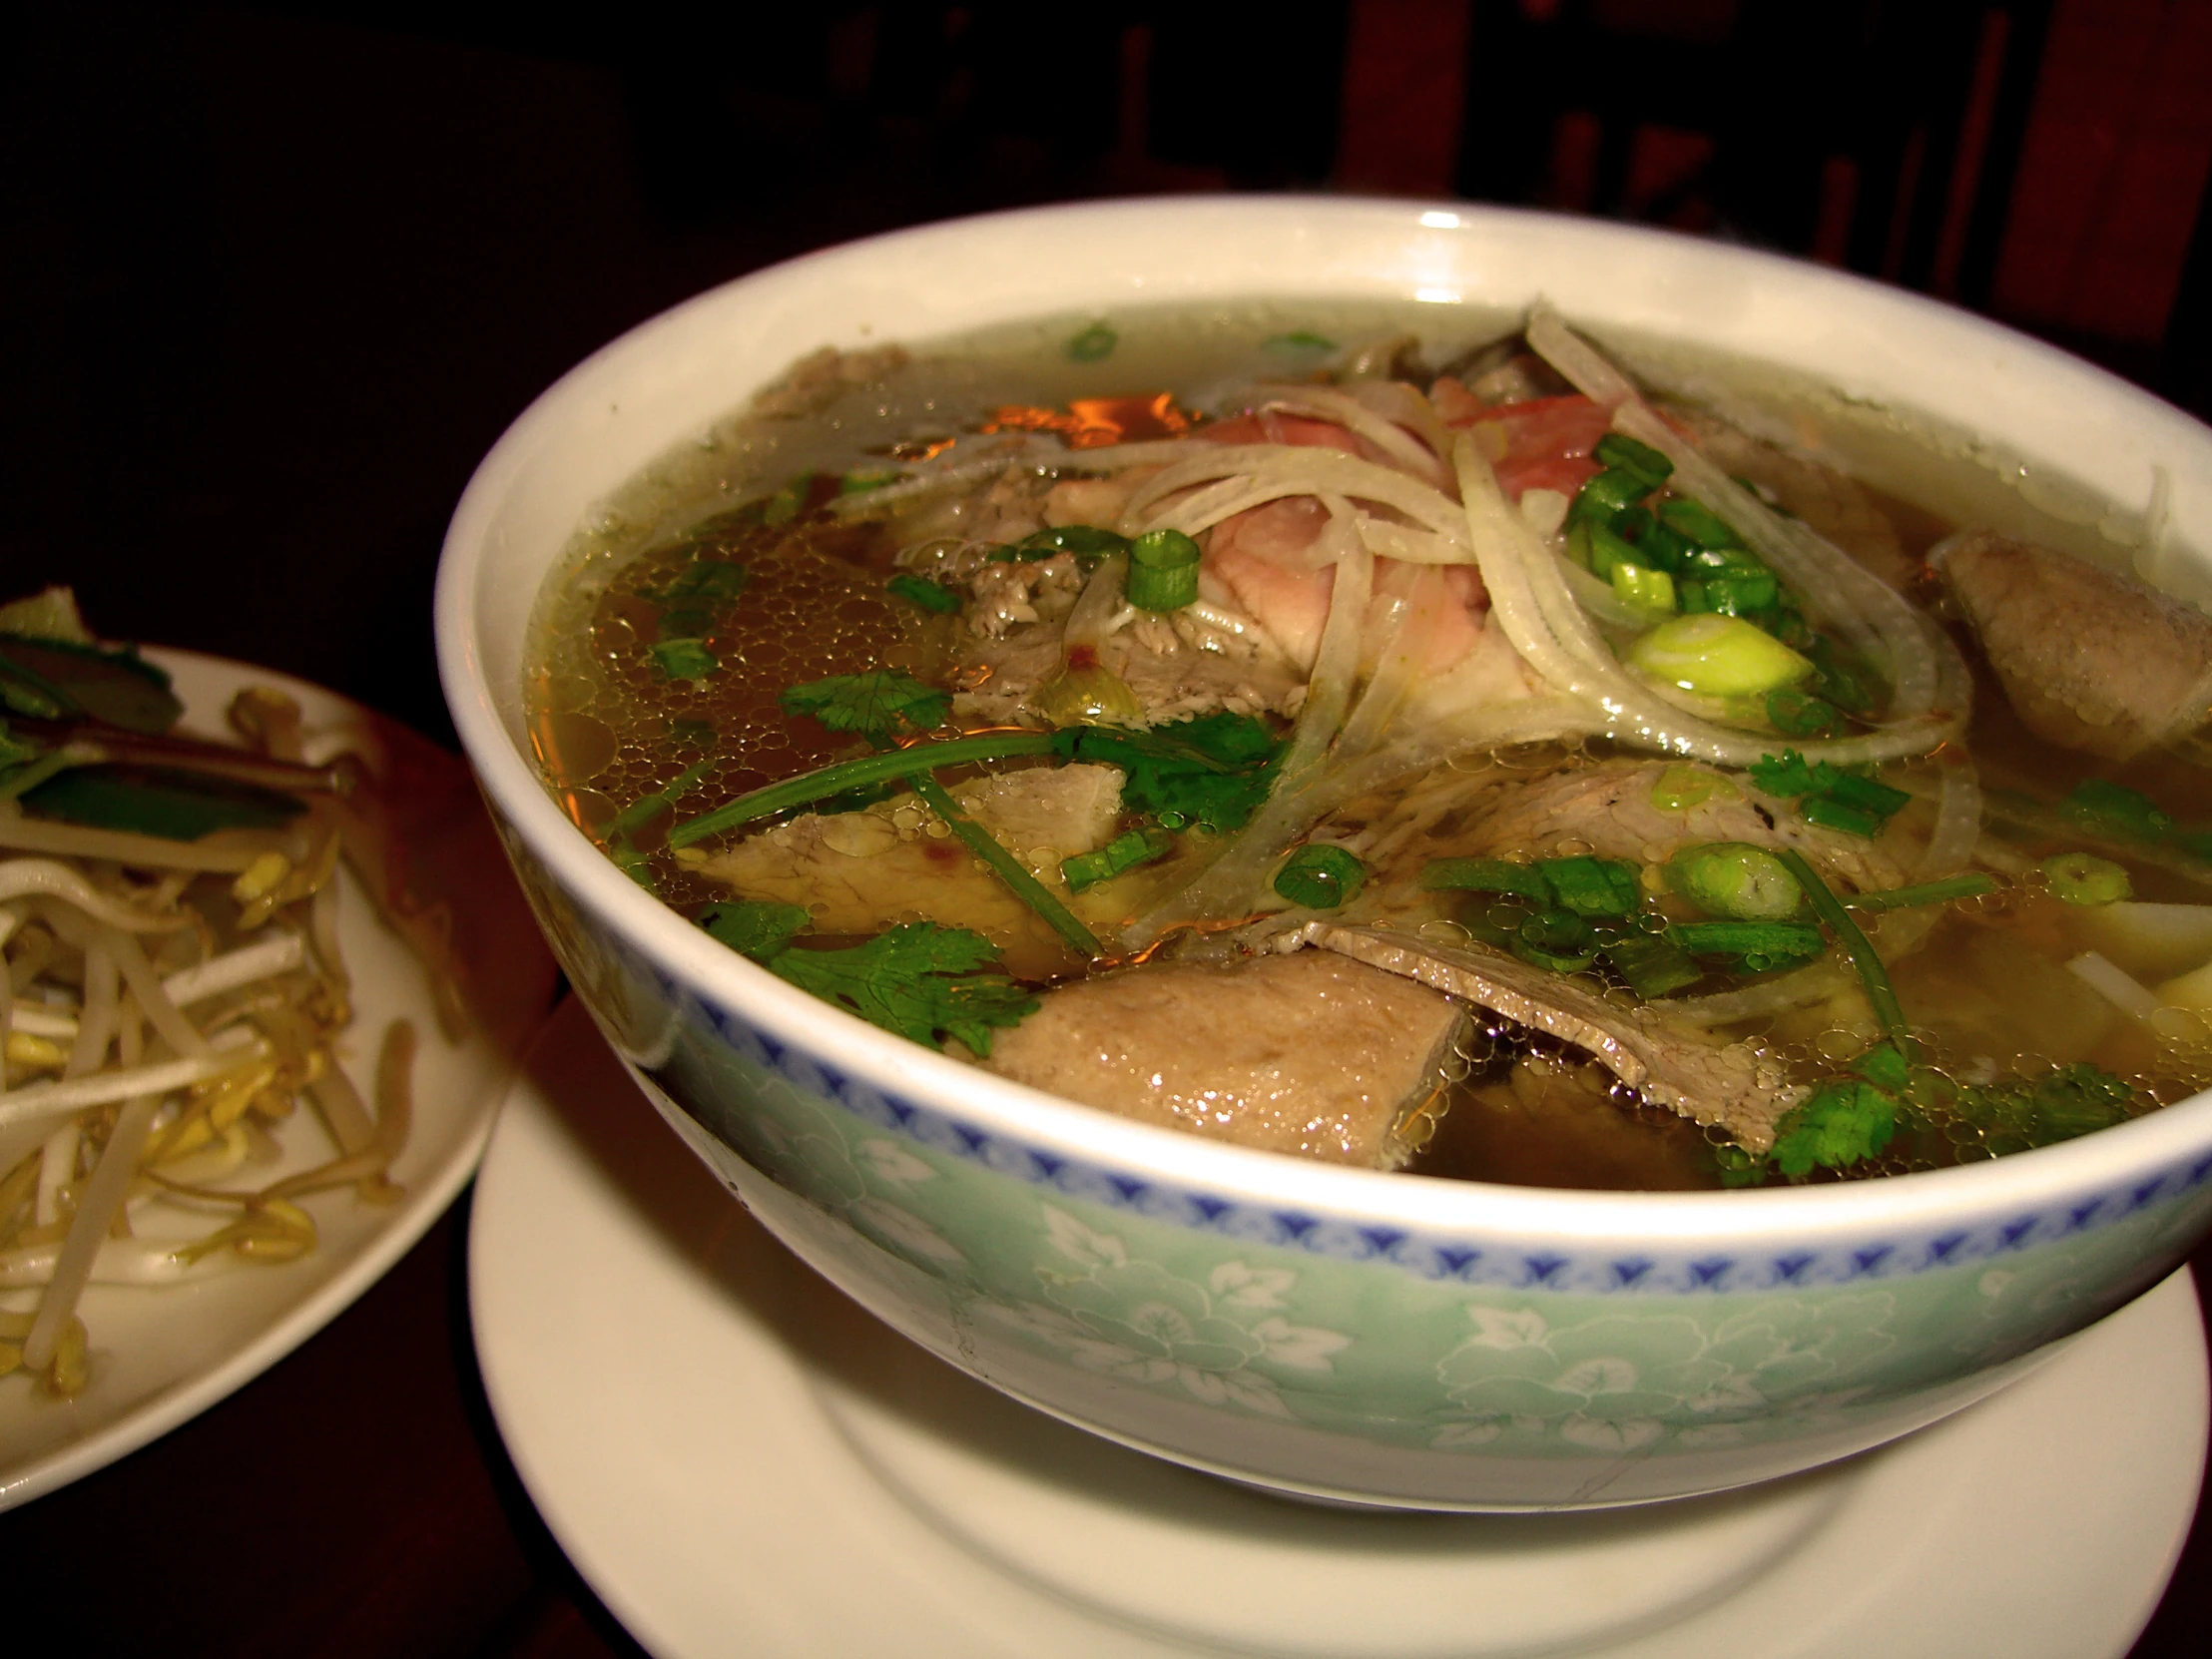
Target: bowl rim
point(2178, 1137)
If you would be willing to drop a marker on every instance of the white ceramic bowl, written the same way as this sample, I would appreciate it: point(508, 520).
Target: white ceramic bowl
point(1323, 1331)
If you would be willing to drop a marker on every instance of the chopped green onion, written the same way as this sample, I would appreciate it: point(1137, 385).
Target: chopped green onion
point(1650, 593)
point(1298, 339)
point(1718, 655)
point(933, 597)
point(859, 484)
point(1617, 450)
point(1924, 893)
point(1844, 678)
point(1486, 876)
point(1878, 798)
point(1700, 525)
point(1005, 865)
point(1093, 344)
point(1737, 880)
point(1075, 695)
point(1088, 542)
point(1557, 939)
point(1123, 853)
point(1321, 877)
point(1602, 550)
point(1163, 571)
point(1798, 714)
point(1881, 994)
point(1681, 787)
point(1830, 814)
point(1662, 548)
point(1652, 965)
point(1592, 886)
point(1605, 494)
point(1778, 939)
point(2085, 878)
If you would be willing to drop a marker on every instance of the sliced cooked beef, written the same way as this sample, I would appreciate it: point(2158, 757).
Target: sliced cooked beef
point(2090, 659)
point(1310, 1054)
point(1728, 1085)
point(858, 872)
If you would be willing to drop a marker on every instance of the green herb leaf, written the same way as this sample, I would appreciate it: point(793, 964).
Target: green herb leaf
point(1298, 339)
point(159, 801)
point(924, 981)
point(933, 597)
point(2057, 1106)
point(684, 658)
point(752, 927)
point(1844, 1123)
point(1321, 877)
point(1213, 771)
point(49, 678)
point(879, 703)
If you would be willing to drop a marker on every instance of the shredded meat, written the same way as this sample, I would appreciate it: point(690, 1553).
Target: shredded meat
point(2090, 659)
point(1310, 1054)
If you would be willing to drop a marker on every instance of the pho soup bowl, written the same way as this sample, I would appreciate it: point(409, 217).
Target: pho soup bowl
point(1341, 1333)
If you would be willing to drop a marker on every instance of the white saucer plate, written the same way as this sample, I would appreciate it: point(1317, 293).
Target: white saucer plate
point(740, 1461)
point(159, 1357)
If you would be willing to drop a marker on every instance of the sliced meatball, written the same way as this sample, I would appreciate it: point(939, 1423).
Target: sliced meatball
point(2090, 657)
point(1312, 1054)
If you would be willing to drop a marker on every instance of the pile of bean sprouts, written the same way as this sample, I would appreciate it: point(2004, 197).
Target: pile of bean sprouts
point(171, 1005)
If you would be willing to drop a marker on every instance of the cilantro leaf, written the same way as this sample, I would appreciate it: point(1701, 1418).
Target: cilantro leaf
point(754, 927)
point(1843, 1124)
point(879, 702)
point(2062, 1103)
point(1213, 771)
point(920, 980)
point(685, 659)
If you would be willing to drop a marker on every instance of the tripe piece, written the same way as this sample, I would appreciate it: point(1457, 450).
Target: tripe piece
point(1730, 1086)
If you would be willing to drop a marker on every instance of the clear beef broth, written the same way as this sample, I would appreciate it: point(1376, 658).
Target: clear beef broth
point(739, 547)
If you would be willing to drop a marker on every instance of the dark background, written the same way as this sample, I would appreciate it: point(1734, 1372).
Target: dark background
point(272, 278)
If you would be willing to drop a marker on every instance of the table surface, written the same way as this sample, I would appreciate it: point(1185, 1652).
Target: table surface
point(285, 279)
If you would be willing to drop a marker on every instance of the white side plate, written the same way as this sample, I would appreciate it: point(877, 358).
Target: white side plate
point(161, 1356)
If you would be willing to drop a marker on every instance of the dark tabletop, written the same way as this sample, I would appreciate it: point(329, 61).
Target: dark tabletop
point(273, 280)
